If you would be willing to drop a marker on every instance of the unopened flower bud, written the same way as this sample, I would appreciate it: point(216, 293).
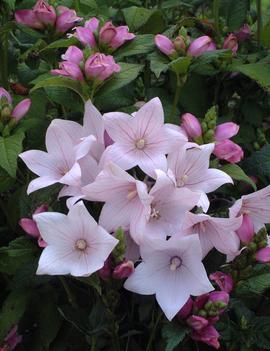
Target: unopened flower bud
point(263, 255)
point(201, 45)
point(164, 44)
point(197, 323)
point(191, 125)
point(186, 309)
point(226, 131)
point(179, 43)
point(246, 231)
point(123, 270)
point(231, 43)
point(229, 151)
point(21, 109)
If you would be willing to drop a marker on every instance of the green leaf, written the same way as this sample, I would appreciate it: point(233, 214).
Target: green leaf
point(10, 3)
point(259, 161)
point(12, 310)
point(254, 285)
point(259, 72)
point(210, 62)
point(173, 334)
point(137, 17)
point(6, 182)
point(10, 147)
point(128, 73)
point(158, 63)
point(92, 281)
point(181, 64)
point(21, 246)
point(61, 43)
point(235, 12)
point(29, 31)
point(142, 44)
point(61, 82)
point(265, 35)
point(237, 173)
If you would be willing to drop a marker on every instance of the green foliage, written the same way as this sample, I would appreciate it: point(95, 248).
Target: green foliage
point(173, 334)
point(237, 173)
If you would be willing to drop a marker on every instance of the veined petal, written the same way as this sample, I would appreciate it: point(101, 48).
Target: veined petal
point(73, 176)
point(124, 157)
point(41, 182)
point(119, 127)
point(93, 122)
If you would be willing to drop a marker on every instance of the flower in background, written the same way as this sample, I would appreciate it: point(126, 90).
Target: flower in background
point(66, 19)
point(231, 43)
point(45, 13)
point(5, 96)
point(30, 226)
point(201, 45)
point(114, 37)
point(244, 33)
point(223, 281)
point(72, 249)
point(21, 109)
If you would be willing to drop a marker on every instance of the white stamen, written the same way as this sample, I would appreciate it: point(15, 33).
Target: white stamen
point(154, 213)
point(182, 181)
point(175, 263)
point(81, 244)
point(140, 144)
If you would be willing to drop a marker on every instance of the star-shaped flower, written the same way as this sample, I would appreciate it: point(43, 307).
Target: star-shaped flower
point(172, 270)
point(76, 244)
point(142, 139)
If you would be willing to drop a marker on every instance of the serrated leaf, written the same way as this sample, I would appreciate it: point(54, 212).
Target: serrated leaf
point(235, 12)
point(128, 73)
point(12, 310)
point(173, 334)
point(237, 173)
point(60, 82)
point(257, 71)
point(61, 43)
point(158, 63)
point(10, 147)
point(136, 17)
point(254, 285)
point(142, 44)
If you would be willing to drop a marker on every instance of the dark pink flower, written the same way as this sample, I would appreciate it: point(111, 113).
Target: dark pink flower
point(68, 69)
point(45, 13)
point(6, 95)
point(67, 19)
point(224, 281)
point(226, 131)
point(231, 43)
point(208, 335)
point(263, 255)
point(106, 271)
point(191, 125)
point(164, 44)
point(11, 340)
point(123, 270)
point(197, 323)
point(229, 151)
point(85, 36)
point(186, 309)
point(244, 33)
point(246, 231)
point(73, 54)
point(100, 66)
point(29, 19)
point(21, 109)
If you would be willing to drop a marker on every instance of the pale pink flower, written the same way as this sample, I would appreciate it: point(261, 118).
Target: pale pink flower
point(21, 109)
point(256, 205)
point(201, 45)
point(214, 232)
point(68, 69)
point(164, 44)
point(226, 131)
point(85, 36)
point(123, 195)
point(246, 231)
point(73, 54)
point(60, 163)
point(92, 24)
point(172, 270)
point(5, 94)
point(163, 216)
point(141, 139)
point(190, 167)
point(76, 244)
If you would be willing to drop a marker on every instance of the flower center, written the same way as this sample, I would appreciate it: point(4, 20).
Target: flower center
point(154, 213)
point(175, 263)
point(182, 181)
point(140, 144)
point(81, 244)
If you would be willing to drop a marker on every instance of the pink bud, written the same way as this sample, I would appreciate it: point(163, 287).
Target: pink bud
point(164, 44)
point(197, 323)
point(186, 309)
point(92, 24)
point(201, 45)
point(68, 69)
point(200, 301)
point(100, 66)
point(229, 151)
point(66, 20)
point(246, 231)
point(121, 37)
point(191, 125)
point(5, 94)
point(107, 139)
point(243, 33)
point(85, 36)
point(45, 13)
point(11, 340)
point(221, 296)
point(263, 255)
point(28, 18)
point(73, 54)
point(231, 43)
point(226, 131)
point(30, 227)
point(123, 270)
point(224, 281)
point(21, 109)
point(107, 33)
point(41, 208)
point(179, 43)
point(106, 271)
point(208, 335)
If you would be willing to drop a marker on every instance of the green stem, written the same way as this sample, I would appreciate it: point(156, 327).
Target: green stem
point(259, 20)
point(5, 62)
point(153, 333)
point(216, 15)
point(69, 293)
point(176, 97)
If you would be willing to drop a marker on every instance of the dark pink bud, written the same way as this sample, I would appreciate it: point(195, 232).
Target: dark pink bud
point(66, 20)
point(123, 270)
point(263, 255)
point(200, 301)
point(29, 19)
point(208, 335)
point(100, 66)
point(106, 271)
point(224, 281)
point(164, 44)
point(11, 340)
point(6, 95)
point(92, 24)
point(186, 309)
point(85, 36)
point(229, 151)
point(246, 231)
point(45, 13)
point(201, 45)
point(68, 69)
point(191, 125)
point(226, 131)
point(243, 33)
point(221, 296)
point(73, 54)
point(121, 37)
point(231, 43)
point(21, 109)
point(107, 33)
point(197, 323)
point(30, 227)
point(41, 208)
